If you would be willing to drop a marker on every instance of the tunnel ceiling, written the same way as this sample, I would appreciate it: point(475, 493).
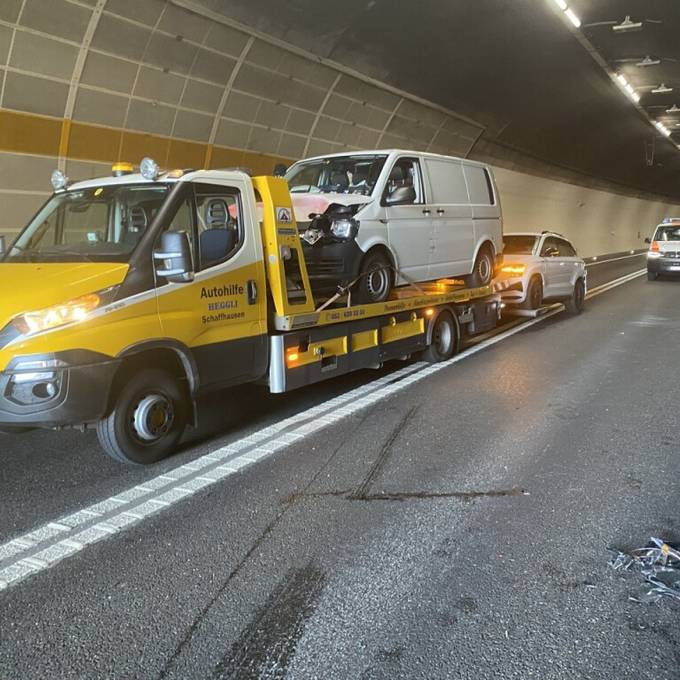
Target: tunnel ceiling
point(451, 76)
point(515, 67)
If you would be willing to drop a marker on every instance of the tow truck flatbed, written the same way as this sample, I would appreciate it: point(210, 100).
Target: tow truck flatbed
point(403, 300)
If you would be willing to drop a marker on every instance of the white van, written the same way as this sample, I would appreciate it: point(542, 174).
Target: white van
point(385, 218)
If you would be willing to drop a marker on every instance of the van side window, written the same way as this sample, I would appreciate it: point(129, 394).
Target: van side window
point(220, 223)
point(405, 173)
point(447, 182)
point(479, 185)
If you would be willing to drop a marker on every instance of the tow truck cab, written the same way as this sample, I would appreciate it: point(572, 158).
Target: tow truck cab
point(128, 295)
point(112, 275)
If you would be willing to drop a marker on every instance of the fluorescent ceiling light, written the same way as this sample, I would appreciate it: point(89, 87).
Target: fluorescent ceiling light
point(572, 17)
point(662, 128)
point(662, 89)
point(629, 89)
point(622, 79)
point(648, 61)
point(562, 5)
point(636, 97)
point(627, 26)
point(673, 109)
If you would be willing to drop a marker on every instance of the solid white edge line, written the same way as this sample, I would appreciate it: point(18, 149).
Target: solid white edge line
point(615, 259)
point(42, 548)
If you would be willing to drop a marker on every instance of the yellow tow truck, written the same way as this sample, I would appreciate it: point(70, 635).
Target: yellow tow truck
point(126, 297)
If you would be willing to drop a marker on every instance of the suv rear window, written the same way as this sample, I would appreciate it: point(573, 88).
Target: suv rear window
point(667, 232)
point(519, 245)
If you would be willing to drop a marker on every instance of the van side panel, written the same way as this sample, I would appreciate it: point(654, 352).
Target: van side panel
point(486, 210)
point(453, 229)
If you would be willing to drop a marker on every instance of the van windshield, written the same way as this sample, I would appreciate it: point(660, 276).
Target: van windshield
point(99, 224)
point(337, 175)
point(668, 233)
point(518, 245)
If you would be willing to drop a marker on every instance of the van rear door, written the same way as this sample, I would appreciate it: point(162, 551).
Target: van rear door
point(486, 212)
point(453, 232)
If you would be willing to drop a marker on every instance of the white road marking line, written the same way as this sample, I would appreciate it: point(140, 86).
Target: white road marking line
point(44, 547)
point(593, 292)
point(615, 259)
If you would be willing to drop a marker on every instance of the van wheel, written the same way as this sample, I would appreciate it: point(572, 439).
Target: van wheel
point(534, 297)
point(574, 303)
point(483, 271)
point(375, 282)
point(147, 420)
point(445, 335)
point(652, 276)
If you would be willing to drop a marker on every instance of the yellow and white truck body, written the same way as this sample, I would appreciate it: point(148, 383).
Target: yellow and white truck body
point(126, 297)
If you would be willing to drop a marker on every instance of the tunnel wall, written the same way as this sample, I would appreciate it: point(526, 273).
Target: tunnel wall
point(87, 82)
point(597, 222)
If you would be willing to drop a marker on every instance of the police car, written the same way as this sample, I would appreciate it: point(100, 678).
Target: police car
point(663, 256)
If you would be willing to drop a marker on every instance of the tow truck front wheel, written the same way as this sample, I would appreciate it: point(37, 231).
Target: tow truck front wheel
point(147, 420)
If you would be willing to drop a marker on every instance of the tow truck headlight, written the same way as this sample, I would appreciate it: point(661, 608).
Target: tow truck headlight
point(652, 254)
point(69, 312)
point(514, 269)
point(344, 228)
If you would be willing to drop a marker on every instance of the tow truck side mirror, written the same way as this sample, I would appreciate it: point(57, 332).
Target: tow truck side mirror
point(280, 170)
point(648, 240)
point(172, 258)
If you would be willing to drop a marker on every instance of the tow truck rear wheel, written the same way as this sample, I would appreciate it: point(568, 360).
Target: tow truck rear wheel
point(147, 420)
point(445, 335)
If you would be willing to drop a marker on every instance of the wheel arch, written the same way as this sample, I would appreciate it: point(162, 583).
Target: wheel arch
point(166, 354)
point(382, 246)
point(438, 311)
point(485, 242)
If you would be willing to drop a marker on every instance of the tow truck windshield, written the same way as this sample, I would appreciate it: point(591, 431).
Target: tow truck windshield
point(336, 175)
point(98, 224)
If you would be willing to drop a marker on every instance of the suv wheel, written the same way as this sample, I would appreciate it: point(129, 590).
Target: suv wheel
point(574, 304)
point(534, 297)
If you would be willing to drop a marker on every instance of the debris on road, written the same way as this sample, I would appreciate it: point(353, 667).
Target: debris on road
point(658, 564)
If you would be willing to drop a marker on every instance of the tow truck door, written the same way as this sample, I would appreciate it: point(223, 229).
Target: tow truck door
point(221, 315)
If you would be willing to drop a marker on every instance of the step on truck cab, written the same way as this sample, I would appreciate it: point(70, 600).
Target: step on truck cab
point(125, 297)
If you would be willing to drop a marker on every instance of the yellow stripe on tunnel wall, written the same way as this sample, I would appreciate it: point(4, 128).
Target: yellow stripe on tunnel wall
point(40, 135)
